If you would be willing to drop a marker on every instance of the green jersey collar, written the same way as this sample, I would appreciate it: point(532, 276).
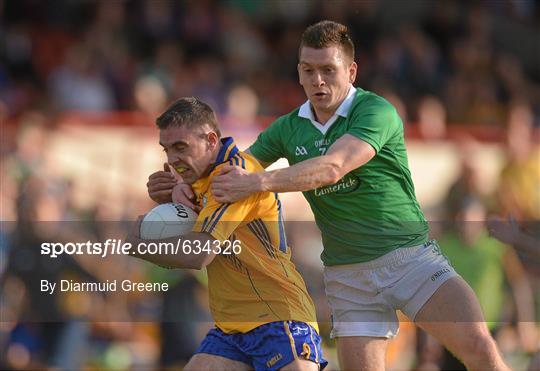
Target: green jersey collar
point(343, 110)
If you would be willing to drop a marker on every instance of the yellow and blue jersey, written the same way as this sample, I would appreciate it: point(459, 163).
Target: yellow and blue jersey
point(260, 284)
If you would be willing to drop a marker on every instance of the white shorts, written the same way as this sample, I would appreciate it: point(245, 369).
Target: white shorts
point(364, 297)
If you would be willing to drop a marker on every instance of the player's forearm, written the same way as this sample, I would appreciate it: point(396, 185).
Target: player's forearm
point(304, 176)
point(173, 255)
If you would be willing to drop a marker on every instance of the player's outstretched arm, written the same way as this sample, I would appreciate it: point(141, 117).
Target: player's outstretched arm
point(346, 154)
point(173, 255)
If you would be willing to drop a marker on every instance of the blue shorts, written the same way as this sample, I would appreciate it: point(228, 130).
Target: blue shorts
point(268, 347)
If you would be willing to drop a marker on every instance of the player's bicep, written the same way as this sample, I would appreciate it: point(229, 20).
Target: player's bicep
point(350, 152)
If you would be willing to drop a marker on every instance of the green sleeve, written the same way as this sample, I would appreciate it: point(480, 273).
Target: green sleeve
point(375, 121)
point(269, 144)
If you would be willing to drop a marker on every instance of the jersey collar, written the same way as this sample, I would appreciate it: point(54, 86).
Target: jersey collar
point(343, 110)
point(228, 150)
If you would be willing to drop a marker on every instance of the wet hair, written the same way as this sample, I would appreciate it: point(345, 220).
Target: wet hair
point(188, 111)
point(325, 34)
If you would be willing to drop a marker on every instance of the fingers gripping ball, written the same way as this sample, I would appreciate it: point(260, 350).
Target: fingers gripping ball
point(167, 220)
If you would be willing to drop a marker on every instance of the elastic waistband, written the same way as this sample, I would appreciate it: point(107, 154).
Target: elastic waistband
point(392, 257)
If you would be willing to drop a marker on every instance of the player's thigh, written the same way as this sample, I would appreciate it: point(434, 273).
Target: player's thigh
point(210, 362)
point(361, 352)
point(301, 365)
point(453, 315)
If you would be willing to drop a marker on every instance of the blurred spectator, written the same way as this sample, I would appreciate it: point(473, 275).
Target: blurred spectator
point(108, 34)
point(80, 83)
point(199, 25)
point(241, 117)
point(422, 62)
point(244, 48)
point(209, 77)
point(158, 18)
point(242, 106)
point(31, 140)
point(432, 118)
point(467, 186)
point(519, 188)
point(150, 95)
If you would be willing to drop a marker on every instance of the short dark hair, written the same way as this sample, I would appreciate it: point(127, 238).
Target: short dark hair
point(325, 34)
point(188, 111)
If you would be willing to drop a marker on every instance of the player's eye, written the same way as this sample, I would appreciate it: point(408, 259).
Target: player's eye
point(328, 70)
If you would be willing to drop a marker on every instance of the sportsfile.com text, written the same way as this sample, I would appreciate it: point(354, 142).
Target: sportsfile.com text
point(120, 247)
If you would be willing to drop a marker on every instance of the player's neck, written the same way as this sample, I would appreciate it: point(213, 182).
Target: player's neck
point(217, 150)
point(214, 159)
point(322, 117)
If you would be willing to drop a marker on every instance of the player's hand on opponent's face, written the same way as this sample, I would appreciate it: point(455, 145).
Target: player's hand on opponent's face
point(168, 186)
point(182, 192)
point(231, 184)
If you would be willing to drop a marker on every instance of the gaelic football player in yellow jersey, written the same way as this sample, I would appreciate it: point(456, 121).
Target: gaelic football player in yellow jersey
point(264, 317)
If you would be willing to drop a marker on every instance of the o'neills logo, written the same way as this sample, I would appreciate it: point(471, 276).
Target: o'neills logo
point(439, 273)
point(348, 183)
point(273, 360)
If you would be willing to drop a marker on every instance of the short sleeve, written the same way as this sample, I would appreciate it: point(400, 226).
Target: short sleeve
point(221, 220)
point(375, 121)
point(269, 144)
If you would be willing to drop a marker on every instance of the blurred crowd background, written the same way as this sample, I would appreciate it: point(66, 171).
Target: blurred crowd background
point(81, 83)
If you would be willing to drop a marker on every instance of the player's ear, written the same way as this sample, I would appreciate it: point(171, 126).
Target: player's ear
point(212, 139)
point(353, 69)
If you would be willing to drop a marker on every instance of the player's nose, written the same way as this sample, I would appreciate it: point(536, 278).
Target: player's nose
point(317, 80)
point(172, 159)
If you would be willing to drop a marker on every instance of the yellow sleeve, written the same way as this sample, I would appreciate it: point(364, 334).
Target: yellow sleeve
point(221, 220)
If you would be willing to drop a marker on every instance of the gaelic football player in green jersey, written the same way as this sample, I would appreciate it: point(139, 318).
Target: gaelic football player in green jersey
point(347, 154)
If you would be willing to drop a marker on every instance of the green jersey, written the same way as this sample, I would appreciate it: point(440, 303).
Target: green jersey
point(373, 209)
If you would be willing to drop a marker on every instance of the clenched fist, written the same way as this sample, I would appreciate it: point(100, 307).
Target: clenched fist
point(160, 185)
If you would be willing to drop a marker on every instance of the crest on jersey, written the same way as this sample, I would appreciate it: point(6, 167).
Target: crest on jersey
point(300, 151)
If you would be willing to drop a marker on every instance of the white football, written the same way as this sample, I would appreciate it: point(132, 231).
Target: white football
point(167, 220)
